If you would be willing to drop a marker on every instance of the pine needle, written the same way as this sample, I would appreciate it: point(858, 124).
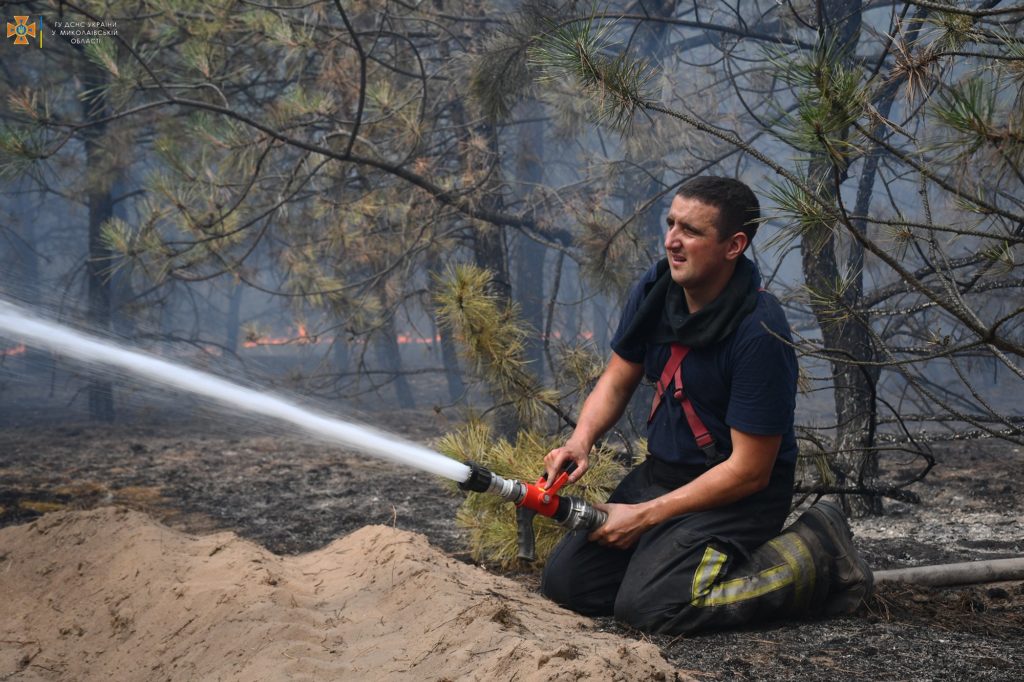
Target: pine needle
point(490, 520)
point(582, 52)
point(491, 338)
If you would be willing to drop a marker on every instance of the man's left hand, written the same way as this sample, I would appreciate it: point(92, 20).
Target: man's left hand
point(625, 524)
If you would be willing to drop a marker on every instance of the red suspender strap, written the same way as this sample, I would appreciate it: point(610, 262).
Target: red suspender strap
point(673, 371)
point(673, 367)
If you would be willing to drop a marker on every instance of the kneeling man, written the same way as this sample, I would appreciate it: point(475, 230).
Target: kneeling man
point(692, 539)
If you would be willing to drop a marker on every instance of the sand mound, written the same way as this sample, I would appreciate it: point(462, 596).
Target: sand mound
point(110, 594)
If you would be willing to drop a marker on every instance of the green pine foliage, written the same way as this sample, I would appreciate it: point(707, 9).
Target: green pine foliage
point(830, 98)
point(491, 521)
point(500, 74)
point(807, 215)
point(492, 339)
point(585, 52)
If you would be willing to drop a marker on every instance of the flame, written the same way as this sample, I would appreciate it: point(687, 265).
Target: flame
point(585, 334)
point(11, 352)
point(405, 338)
point(301, 337)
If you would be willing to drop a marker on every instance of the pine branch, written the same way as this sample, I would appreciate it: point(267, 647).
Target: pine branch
point(492, 339)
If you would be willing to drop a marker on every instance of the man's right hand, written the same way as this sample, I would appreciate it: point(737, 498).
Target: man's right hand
point(559, 458)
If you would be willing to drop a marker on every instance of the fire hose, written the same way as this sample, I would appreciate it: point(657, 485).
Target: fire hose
point(535, 498)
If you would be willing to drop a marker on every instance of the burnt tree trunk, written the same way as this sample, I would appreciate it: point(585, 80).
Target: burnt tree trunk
point(846, 337)
point(490, 252)
point(571, 296)
point(642, 179)
point(599, 310)
point(488, 241)
point(26, 250)
point(450, 357)
point(341, 355)
point(389, 357)
point(529, 288)
point(862, 341)
point(234, 322)
point(101, 209)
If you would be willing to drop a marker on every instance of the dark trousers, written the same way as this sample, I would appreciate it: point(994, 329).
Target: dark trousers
point(718, 568)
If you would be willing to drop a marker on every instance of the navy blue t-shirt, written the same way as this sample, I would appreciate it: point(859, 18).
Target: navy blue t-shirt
point(746, 382)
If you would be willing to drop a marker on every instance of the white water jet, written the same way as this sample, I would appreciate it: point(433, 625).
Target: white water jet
point(18, 323)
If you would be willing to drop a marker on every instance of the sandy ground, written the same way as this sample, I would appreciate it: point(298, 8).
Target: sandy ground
point(111, 594)
point(96, 588)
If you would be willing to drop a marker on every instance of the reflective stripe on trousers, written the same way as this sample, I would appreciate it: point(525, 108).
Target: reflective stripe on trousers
point(795, 570)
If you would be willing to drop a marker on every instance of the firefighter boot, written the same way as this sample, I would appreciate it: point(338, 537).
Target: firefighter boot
point(851, 577)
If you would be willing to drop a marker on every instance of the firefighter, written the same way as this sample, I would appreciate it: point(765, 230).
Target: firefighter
point(692, 539)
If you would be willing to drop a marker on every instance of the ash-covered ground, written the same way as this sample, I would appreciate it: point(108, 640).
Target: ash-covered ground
point(293, 495)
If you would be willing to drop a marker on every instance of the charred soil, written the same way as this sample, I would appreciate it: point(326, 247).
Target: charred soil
point(294, 496)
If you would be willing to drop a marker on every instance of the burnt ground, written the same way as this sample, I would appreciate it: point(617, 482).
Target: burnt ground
point(292, 495)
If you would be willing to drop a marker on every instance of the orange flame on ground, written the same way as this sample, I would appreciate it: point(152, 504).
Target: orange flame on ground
point(11, 352)
point(584, 334)
point(302, 338)
point(404, 338)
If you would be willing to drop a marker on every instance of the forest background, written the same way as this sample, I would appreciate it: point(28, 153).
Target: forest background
point(444, 203)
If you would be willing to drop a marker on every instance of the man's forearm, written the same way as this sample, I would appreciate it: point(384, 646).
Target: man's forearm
point(747, 471)
point(601, 410)
point(717, 487)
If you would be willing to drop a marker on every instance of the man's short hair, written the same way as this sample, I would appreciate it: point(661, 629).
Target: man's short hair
point(738, 208)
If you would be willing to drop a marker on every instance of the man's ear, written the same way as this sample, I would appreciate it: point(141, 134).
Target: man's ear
point(737, 245)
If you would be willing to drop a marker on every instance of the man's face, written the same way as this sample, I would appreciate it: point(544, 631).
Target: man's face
point(696, 257)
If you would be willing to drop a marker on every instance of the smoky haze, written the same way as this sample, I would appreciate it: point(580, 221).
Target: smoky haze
point(294, 219)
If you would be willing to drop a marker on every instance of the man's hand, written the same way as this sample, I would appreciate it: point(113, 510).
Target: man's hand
point(625, 524)
point(559, 458)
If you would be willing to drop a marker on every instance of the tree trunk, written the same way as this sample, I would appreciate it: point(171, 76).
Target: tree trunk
point(100, 391)
point(490, 252)
point(489, 249)
point(234, 321)
point(653, 40)
point(30, 276)
point(390, 359)
point(846, 338)
point(340, 349)
point(98, 260)
point(599, 307)
point(450, 357)
point(571, 302)
point(121, 294)
point(529, 289)
point(654, 43)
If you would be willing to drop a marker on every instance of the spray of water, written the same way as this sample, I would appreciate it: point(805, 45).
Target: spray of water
point(18, 323)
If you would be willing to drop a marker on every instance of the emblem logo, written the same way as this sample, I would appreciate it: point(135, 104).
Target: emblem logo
point(21, 31)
